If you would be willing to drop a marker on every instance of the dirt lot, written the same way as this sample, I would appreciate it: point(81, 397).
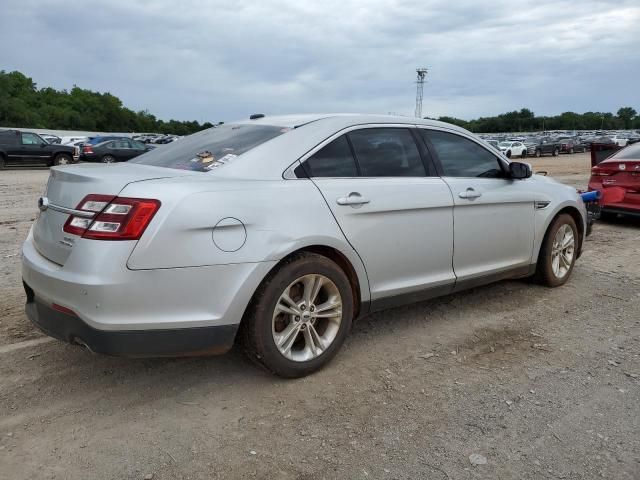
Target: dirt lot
point(542, 383)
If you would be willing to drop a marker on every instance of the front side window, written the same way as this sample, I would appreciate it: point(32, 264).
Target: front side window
point(211, 148)
point(32, 139)
point(387, 152)
point(461, 157)
point(333, 160)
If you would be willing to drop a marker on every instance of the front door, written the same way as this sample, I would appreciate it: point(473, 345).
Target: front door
point(397, 217)
point(493, 214)
point(33, 150)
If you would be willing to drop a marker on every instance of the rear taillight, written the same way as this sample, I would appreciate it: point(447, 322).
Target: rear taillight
point(87, 149)
point(114, 218)
point(600, 172)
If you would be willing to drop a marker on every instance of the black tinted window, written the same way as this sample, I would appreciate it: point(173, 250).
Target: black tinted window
point(333, 160)
point(206, 150)
point(31, 139)
point(460, 157)
point(387, 152)
point(632, 152)
point(8, 137)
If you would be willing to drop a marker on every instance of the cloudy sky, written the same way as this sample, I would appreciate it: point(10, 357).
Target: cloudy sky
point(220, 60)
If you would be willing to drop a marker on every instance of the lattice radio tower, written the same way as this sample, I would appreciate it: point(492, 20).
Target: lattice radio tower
point(422, 73)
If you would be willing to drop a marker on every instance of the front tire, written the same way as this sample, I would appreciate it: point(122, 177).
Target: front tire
point(558, 252)
point(556, 152)
point(509, 154)
point(2, 162)
point(299, 317)
point(538, 153)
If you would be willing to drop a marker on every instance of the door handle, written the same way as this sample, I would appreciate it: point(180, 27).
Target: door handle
point(354, 198)
point(469, 194)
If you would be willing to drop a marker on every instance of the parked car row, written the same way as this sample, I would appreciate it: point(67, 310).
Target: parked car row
point(156, 138)
point(555, 143)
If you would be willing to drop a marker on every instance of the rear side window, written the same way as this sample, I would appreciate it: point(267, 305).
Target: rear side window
point(387, 152)
point(333, 160)
point(461, 157)
point(8, 137)
point(211, 148)
point(632, 152)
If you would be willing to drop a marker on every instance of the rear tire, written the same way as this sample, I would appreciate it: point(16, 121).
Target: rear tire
point(108, 159)
point(62, 159)
point(571, 150)
point(524, 154)
point(283, 304)
point(558, 252)
point(538, 153)
point(3, 163)
point(556, 152)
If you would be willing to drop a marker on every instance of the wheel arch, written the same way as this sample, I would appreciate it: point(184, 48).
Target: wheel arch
point(56, 154)
point(359, 286)
point(574, 212)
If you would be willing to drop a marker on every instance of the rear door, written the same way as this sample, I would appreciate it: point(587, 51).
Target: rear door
point(11, 144)
point(392, 208)
point(493, 214)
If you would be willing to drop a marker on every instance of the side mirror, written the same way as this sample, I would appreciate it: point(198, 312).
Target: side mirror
point(519, 170)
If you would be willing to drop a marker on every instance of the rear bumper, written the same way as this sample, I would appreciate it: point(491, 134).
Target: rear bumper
point(118, 311)
point(624, 210)
point(135, 343)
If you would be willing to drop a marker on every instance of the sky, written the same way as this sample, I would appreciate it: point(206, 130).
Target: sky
point(211, 60)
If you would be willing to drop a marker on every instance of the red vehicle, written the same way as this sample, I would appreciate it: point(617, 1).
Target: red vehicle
point(618, 177)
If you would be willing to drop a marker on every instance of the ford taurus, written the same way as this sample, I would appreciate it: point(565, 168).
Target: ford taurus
point(281, 231)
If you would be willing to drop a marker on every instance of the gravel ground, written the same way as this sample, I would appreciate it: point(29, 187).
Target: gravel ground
point(506, 381)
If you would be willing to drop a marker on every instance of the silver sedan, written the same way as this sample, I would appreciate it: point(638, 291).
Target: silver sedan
point(282, 231)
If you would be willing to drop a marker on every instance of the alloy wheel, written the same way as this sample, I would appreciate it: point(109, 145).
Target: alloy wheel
point(307, 318)
point(562, 251)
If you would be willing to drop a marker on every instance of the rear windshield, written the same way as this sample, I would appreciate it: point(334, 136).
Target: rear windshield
point(632, 152)
point(211, 148)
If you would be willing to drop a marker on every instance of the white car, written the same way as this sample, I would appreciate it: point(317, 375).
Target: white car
point(619, 140)
point(513, 149)
point(72, 140)
point(283, 231)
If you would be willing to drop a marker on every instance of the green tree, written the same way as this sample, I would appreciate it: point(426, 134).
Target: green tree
point(626, 115)
point(22, 104)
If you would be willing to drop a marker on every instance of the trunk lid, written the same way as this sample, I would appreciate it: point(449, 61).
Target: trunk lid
point(68, 185)
point(623, 174)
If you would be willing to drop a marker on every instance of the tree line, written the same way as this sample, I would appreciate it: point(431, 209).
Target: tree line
point(526, 121)
point(22, 104)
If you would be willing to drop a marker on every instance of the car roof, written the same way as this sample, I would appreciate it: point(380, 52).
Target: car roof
point(344, 119)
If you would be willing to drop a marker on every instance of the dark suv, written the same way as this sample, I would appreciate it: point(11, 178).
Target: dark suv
point(27, 149)
point(540, 146)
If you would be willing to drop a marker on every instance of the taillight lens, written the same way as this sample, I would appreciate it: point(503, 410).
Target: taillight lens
point(87, 149)
point(599, 172)
point(115, 218)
